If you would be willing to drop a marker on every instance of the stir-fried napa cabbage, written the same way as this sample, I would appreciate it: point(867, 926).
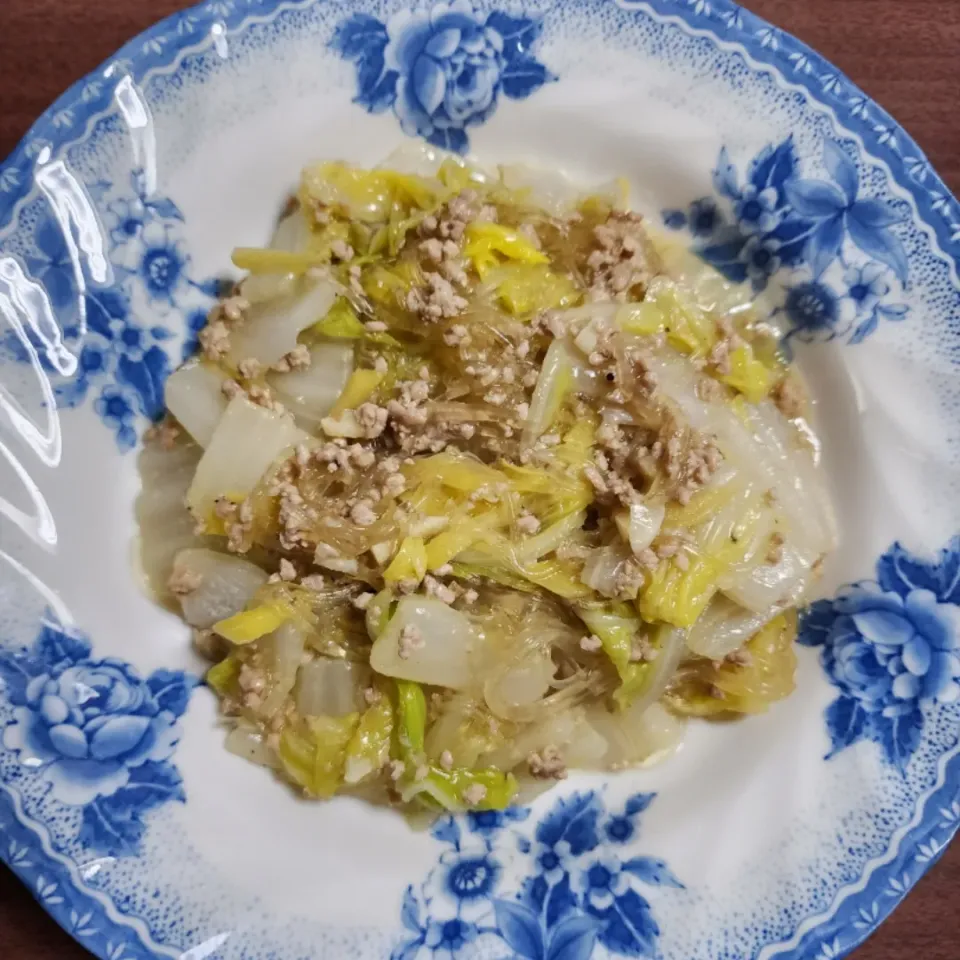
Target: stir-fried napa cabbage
point(474, 481)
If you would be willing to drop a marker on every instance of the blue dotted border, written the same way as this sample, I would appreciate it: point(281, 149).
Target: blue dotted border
point(53, 885)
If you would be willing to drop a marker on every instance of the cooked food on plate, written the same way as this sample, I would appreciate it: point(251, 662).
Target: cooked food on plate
point(473, 481)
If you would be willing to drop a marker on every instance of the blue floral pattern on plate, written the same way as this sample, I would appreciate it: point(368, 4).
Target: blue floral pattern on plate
point(774, 220)
point(576, 891)
point(441, 70)
point(98, 733)
point(891, 646)
point(121, 363)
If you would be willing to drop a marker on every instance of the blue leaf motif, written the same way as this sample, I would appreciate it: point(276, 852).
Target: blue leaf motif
point(725, 177)
point(533, 892)
point(214, 287)
point(560, 901)
point(573, 939)
point(452, 139)
point(358, 35)
point(363, 39)
point(815, 623)
point(150, 785)
point(895, 311)
point(900, 572)
point(519, 928)
point(107, 305)
point(842, 169)
point(652, 871)
point(16, 672)
point(110, 829)
point(774, 167)
point(519, 33)
point(164, 208)
point(573, 819)
point(407, 950)
point(901, 737)
point(447, 830)
point(114, 825)
point(410, 913)
point(815, 199)
point(674, 219)
point(792, 235)
point(146, 377)
point(523, 77)
point(638, 803)
point(629, 927)
point(734, 272)
point(378, 96)
point(171, 689)
point(878, 243)
point(846, 724)
point(369, 73)
point(863, 330)
point(55, 647)
point(725, 256)
point(825, 244)
point(875, 214)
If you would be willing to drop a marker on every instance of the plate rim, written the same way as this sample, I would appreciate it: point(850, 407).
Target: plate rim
point(847, 920)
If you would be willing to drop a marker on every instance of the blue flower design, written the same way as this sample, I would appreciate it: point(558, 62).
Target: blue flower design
point(890, 651)
point(100, 735)
point(762, 260)
point(125, 218)
point(756, 210)
point(553, 859)
point(620, 829)
point(115, 407)
point(471, 877)
point(892, 647)
point(442, 69)
point(95, 358)
point(571, 897)
point(705, 217)
point(159, 260)
point(129, 340)
point(52, 265)
point(813, 309)
point(866, 286)
point(781, 221)
point(603, 882)
point(449, 935)
point(113, 352)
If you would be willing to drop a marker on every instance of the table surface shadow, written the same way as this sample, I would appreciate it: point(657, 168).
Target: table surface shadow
point(904, 53)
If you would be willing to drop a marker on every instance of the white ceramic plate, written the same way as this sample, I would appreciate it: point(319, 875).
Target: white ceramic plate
point(787, 836)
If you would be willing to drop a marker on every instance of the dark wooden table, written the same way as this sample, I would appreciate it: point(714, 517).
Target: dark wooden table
point(904, 53)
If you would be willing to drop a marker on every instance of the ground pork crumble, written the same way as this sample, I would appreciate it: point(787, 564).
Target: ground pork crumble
point(623, 263)
point(547, 764)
